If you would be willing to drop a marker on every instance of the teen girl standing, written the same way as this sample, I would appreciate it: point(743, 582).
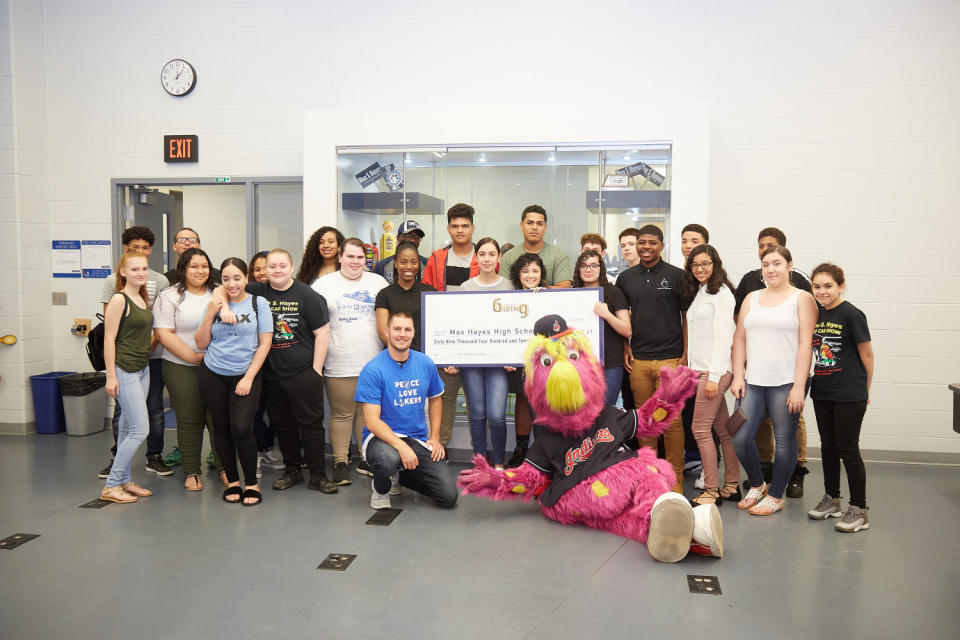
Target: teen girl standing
point(321, 255)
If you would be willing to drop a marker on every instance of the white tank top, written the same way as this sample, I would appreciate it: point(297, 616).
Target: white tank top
point(772, 341)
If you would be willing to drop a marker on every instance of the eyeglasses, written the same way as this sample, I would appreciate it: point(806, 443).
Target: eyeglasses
point(187, 240)
point(591, 267)
point(700, 265)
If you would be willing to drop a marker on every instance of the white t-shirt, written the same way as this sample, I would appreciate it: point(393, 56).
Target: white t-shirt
point(353, 321)
point(183, 316)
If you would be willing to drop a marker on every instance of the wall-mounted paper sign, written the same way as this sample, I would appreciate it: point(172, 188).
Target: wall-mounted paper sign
point(642, 169)
point(65, 258)
point(96, 258)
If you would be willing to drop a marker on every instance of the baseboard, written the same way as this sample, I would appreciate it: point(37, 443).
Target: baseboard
point(879, 455)
point(17, 428)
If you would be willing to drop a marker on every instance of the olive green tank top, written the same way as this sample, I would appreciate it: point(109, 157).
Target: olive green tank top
point(133, 338)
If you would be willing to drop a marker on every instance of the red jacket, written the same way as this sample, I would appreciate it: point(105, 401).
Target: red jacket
point(435, 273)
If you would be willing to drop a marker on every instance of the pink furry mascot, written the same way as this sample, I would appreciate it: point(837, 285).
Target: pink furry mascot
point(580, 468)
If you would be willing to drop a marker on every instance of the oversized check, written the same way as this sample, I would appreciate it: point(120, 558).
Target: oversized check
point(481, 329)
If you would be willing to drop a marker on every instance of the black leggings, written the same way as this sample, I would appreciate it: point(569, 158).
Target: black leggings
point(839, 426)
point(232, 422)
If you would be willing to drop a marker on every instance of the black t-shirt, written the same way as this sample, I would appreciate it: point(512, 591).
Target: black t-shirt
point(655, 304)
point(569, 460)
point(214, 274)
point(838, 372)
point(753, 281)
point(613, 341)
point(297, 313)
point(396, 298)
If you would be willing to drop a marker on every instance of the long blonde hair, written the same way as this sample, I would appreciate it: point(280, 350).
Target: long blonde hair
point(122, 280)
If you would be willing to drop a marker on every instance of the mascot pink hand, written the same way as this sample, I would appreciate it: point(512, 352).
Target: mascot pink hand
point(482, 478)
point(656, 414)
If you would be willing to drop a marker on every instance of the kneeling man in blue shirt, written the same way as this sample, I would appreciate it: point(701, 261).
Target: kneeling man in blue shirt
point(393, 388)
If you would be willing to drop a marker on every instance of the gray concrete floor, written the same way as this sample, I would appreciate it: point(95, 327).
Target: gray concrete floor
point(186, 565)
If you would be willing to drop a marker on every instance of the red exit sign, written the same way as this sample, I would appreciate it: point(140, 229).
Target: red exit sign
point(180, 149)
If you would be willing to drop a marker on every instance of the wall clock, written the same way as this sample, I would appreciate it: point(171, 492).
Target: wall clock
point(178, 77)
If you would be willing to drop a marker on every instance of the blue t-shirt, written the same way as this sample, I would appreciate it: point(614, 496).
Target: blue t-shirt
point(232, 345)
point(401, 389)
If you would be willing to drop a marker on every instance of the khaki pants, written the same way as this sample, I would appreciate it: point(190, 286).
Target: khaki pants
point(644, 380)
point(346, 416)
point(765, 443)
point(451, 387)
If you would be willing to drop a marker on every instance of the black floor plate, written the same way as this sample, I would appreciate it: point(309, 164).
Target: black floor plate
point(96, 503)
point(337, 561)
point(709, 585)
point(383, 517)
point(17, 539)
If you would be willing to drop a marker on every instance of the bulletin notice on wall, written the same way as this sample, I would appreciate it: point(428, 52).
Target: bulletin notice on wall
point(481, 329)
point(95, 258)
point(80, 258)
point(65, 258)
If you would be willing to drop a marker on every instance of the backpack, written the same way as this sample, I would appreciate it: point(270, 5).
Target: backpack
point(95, 339)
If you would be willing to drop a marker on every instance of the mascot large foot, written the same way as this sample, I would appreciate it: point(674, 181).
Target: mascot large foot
point(676, 528)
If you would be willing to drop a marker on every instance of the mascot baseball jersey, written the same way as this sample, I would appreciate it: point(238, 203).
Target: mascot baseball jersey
point(569, 460)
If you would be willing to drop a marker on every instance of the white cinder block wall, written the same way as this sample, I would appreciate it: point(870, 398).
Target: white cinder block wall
point(838, 122)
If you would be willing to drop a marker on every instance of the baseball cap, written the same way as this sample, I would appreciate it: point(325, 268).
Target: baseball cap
point(408, 226)
point(551, 326)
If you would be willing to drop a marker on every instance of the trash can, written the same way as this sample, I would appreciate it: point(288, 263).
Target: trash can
point(82, 402)
point(47, 402)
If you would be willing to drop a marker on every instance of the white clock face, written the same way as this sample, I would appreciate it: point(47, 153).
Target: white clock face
point(178, 77)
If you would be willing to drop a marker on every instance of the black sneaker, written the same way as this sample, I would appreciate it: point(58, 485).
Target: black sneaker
point(104, 473)
point(288, 479)
point(364, 469)
point(341, 474)
point(795, 488)
point(518, 456)
point(155, 465)
point(320, 482)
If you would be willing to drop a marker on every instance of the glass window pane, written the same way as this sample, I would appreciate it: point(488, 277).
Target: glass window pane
point(280, 218)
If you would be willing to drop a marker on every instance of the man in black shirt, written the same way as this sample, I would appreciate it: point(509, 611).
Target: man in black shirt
point(187, 238)
point(753, 281)
point(652, 288)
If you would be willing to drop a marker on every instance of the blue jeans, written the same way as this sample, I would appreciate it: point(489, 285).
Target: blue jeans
point(154, 410)
point(432, 479)
point(613, 378)
point(133, 427)
point(486, 391)
point(757, 403)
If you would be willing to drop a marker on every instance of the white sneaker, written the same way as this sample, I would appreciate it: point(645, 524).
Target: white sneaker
point(380, 500)
point(271, 460)
point(699, 482)
point(395, 488)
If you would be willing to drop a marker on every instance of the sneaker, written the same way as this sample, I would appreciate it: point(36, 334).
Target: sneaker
point(259, 469)
point(173, 458)
point(288, 479)
point(320, 482)
point(853, 520)
point(692, 467)
point(699, 483)
point(395, 488)
point(364, 469)
point(828, 507)
point(341, 475)
point(104, 473)
point(210, 461)
point(271, 460)
point(380, 500)
point(795, 488)
point(155, 465)
point(518, 456)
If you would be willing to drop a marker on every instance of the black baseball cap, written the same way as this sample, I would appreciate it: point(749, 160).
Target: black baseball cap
point(551, 326)
point(408, 226)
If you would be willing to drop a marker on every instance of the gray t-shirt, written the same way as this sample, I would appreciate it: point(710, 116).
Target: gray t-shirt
point(472, 285)
point(156, 282)
point(555, 261)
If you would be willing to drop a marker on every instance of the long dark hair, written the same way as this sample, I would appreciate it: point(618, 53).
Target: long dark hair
point(184, 262)
point(235, 262)
point(312, 260)
point(602, 282)
point(690, 285)
point(259, 255)
point(520, 263)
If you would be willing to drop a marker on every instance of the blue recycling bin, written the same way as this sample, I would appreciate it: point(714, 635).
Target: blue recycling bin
point(47, 402)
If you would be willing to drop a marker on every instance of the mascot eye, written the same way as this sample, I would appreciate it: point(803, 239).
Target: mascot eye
point(546, 360)
point(573, 354)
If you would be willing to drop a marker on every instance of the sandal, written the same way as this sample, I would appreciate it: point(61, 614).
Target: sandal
point(753, 497)
point(223, 478)
point(732, 490)
point(251, 493)
point(707, 496)
point(766, 507)
point(229, 492)
point(116, 494)
point(197, 485)
point(135, 489)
